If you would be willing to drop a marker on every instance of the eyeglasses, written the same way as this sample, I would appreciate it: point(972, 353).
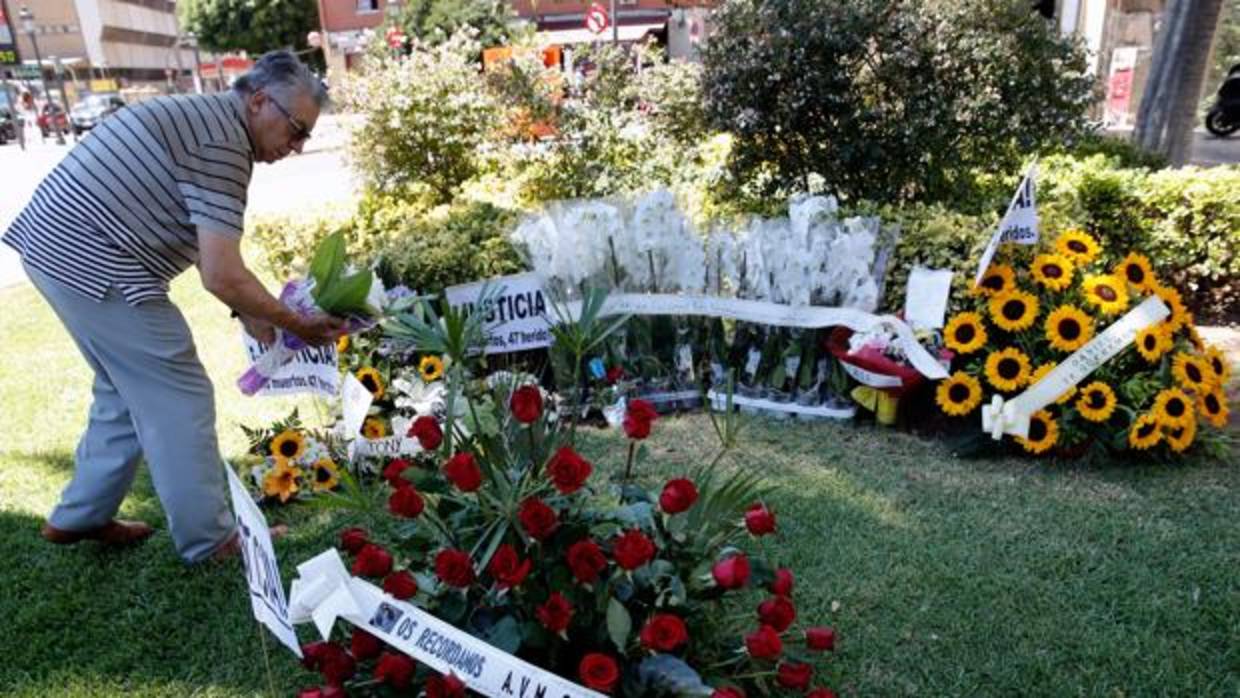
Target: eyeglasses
point(300, 132)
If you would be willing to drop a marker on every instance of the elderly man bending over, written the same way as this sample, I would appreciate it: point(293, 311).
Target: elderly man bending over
point(154, 189)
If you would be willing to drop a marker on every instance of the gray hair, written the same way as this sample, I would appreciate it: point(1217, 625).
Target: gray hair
point(281, 73)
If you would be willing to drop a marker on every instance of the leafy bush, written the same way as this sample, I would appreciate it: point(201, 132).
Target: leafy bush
point(425, 117)
point(905, 98)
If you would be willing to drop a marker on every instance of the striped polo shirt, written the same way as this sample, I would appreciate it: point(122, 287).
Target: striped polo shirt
point(124, 207)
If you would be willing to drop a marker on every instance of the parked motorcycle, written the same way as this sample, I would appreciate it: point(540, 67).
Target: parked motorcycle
point(1223, 119)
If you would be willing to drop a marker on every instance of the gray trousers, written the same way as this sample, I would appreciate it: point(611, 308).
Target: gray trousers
point(153, 398)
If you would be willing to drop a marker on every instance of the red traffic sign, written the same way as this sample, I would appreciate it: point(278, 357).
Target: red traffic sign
point(596, 18)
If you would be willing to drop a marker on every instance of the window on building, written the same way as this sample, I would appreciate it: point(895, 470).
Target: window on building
point(367, 5)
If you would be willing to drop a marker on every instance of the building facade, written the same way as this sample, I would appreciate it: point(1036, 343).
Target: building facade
point(104, 45)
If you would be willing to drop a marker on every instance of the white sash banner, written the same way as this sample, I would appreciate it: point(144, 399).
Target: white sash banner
point(719, 401)
point(765, 313)
point(1012, 416)
point(308, 370)
point(388, 447)
point(518, 318)
point(925, 297)
point(324, 591)
point(262, 572)
point(1019, 224)
point(874, 380)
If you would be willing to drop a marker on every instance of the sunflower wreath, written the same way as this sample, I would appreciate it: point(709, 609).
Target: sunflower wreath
point(1162, 395)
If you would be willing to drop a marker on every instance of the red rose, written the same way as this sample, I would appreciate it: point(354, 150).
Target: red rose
point(731, 573)
point(794, 675)
point(538, 519)
point(526, 404)
point(678, 495)
point(759, 520)
point(426, 430)
point(614, 374)
point(364, 646)
point(568, 470)
point(372, 561)
point(632, 549)
point(507, 568)
point(322, 692)
point(586, 560)
point(820, 639)
point(330, 660)
point(454, 568)
point(556, 613)
point(764, 643)
point(352, 539)
point(820, 693)
point(777, 612)
point(728, 692)
point(392, 473)
point(406, 502)
point(637, 419)
point(598, 671)
point(394, 669)
point(664, 632)
point(400, 584)
point(782, 584)
point(462, 470)
point(445, 687)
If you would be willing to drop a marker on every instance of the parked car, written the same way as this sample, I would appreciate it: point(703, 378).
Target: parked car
point(93, 109)
point(10, 120)
point(52, 118)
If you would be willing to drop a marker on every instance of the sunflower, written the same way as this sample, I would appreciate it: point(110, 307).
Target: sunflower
point(1052, 271)
point(326, 475)
point(1144, 432)
point(1078, 246)
point(1106, 292)
point(1191, 372)
point(342, 344)
point(1175, 302)
point(431, 368)
point(1135, 269)
point(1193, 335)
point(997, 279)
point(281, 481)
point(965, 333)
point(1007, 369)
point(1043, 433)
point(372, 379)
point(1153, 341)
point(289, 445)
point(1218, 364)
point(1180, 437)
point(1068, 328)
point(1173, 408)
point(1097, 402)
point(1013, 310)
point(374, 428)
point(959, 395)
point(1041, 373)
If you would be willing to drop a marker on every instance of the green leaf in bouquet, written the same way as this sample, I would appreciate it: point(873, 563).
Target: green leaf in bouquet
point(327, 263)
point(666, 675)
point(619, 624)
point(636, 515)
point(347, 295)
point(505, 635)
point(452, 607)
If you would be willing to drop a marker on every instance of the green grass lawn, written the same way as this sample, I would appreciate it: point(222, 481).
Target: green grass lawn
point(947, 577)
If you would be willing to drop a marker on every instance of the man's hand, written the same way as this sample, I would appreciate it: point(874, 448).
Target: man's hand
point(263, 331)
point(318, 329)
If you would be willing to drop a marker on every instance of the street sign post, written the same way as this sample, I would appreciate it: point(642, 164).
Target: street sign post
point(597, 19)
